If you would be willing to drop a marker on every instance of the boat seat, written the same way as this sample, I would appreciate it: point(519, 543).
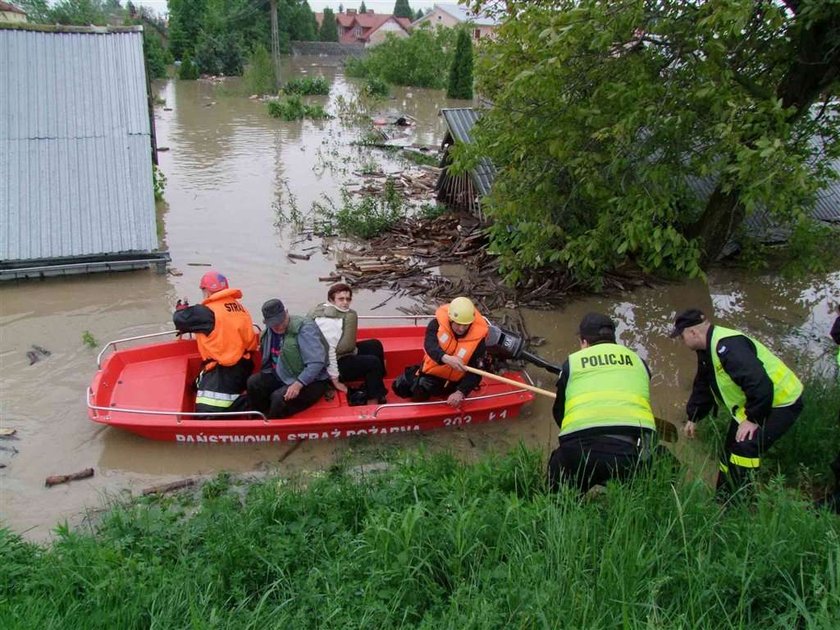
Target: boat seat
point(159, 384)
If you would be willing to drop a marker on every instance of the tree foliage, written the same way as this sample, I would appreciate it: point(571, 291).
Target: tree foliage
point(259, 76)
point(221, 33)
point(461, 70)
point(329, 27)
point(418, 60)
point(642, 131)
point(403, 9)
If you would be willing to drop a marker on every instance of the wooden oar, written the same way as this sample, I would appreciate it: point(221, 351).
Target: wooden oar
point(667, 431)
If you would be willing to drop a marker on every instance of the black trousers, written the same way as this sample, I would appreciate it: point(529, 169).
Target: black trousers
point(266, 394)
point(593, 460)
point(220, 389)
point(428, 386)
point(368, 364)
point(741, 459)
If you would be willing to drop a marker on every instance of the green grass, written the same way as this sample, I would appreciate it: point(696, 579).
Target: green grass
point(434, 543)
point(307, 86)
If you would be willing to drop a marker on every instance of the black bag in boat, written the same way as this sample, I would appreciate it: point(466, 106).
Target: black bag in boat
point(405, 384)
point(356, 396)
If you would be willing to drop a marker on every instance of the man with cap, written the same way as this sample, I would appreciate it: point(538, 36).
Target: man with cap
point(603, 410)
point(225, 336)
point(760, 393)
point(293, 375)
point(454, 338)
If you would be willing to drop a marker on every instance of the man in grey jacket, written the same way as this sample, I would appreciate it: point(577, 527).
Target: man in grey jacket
point(293, 375)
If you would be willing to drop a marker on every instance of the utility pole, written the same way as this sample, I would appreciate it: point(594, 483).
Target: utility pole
point(275, 44)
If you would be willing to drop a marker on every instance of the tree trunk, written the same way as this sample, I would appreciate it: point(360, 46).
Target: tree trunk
point(275, 45)
point(814, 66)
point(722, 216)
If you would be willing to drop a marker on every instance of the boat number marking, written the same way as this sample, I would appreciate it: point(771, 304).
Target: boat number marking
point(457, 421)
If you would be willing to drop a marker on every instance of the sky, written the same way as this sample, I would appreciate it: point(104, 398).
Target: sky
point(380, 6)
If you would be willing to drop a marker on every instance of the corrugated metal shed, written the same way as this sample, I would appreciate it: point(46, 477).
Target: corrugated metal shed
point(459, 123)
point(75, 148)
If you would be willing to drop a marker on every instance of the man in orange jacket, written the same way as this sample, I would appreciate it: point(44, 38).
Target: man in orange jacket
point(226, 340)
point(454, 338)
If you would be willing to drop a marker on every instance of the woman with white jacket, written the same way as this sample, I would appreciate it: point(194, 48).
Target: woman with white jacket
point(347, 360)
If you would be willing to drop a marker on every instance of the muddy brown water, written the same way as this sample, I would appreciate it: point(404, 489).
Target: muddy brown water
point(227, 167)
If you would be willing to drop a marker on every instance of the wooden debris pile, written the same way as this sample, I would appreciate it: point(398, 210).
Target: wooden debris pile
point(416, 183)
point(407, 260)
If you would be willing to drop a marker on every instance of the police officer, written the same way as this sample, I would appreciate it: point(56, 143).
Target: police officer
point(226, 340)
point(603, 410)
point(762, 395)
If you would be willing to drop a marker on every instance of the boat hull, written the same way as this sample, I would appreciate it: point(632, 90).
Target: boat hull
point(147, 390)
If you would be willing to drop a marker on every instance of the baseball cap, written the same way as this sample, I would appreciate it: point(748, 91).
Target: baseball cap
point(688, 318)
point(213, 281)
point(274, 313)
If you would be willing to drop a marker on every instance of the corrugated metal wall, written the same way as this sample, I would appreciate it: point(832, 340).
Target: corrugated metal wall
point(75, 146)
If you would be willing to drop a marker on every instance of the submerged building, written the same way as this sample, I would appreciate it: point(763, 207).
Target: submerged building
point(76, 152)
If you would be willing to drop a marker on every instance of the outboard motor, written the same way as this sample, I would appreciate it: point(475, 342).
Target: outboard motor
point(506, 344)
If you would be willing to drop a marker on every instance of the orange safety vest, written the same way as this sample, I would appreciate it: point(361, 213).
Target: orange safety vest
point(233, 336)
point(457, 346)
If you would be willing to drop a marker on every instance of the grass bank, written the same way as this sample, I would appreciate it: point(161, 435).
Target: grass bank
point(435, 543)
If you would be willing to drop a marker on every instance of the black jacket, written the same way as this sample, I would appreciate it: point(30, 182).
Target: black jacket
point(739, 359)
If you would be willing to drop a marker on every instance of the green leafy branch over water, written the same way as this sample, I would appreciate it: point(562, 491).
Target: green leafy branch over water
point(432, 542)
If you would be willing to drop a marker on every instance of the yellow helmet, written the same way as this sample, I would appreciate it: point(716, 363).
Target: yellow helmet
point(462, 311)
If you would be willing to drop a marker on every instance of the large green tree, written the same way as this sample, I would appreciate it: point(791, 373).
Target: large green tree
point(645, 130)
point(329, 27)
point(402, 9)
point(461, 71)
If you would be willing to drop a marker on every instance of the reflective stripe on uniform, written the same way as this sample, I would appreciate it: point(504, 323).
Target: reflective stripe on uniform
point(215, 399)
point(723, 468)
point(744, 462)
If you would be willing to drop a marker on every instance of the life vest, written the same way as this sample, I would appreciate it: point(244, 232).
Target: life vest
point(787, 388)
point(346, 345)
point(233, 336)
point(463, 347)
point(290, 355)
point(608, 386)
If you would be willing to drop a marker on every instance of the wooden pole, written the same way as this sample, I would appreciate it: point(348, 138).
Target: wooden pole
point(667, 431)
point(275, 45)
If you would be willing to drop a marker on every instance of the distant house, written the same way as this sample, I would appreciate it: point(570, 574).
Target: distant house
point(453, 15)
point(11, 13)
point(368, 28)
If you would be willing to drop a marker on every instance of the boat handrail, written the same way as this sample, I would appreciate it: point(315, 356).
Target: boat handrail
point(113, 344)
point(189, 414)
point(413, 318)
point(443, 402)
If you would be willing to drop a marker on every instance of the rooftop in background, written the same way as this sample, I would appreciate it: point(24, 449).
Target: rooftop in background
point(462, 14)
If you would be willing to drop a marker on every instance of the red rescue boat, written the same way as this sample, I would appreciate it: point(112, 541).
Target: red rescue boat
point(149, 390)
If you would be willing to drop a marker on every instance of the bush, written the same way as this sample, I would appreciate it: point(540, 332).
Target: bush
point(376, 86)
point(293, 108)
point(259, 75)
point(415, 60)
point(307, 86)
point(188, 71)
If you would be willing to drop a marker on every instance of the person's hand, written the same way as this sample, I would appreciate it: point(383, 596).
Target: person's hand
point(339, 385)
point(455, 398)
point(746, 431)
point(180, 305)
point(293, 390)
point(690, 429)
point(456, 363)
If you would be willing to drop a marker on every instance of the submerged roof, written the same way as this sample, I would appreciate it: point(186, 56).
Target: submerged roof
point(75, 145)
point(459, 122)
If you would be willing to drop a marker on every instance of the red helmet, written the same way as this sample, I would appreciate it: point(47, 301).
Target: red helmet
point(213, 281)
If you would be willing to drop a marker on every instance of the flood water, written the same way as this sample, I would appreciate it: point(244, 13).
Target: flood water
point(229, 167)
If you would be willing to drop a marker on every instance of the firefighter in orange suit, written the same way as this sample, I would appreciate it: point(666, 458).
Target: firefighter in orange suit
point(226, 340)
point(454, 338)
